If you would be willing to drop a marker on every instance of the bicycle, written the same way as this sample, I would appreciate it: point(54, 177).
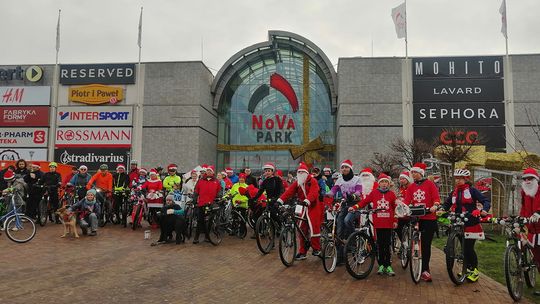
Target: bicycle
point(292, 215)
point(18, 227)
point(44, 206)
point(329, 252)
point(265, 229)
point(106, 210)
point(137, 202)
point(213, 222)
point(414, 242)
point(69, 196)
point(455, 249)
point(189, 213)
point(519, 265)
point(123, 203)
point(361, 247)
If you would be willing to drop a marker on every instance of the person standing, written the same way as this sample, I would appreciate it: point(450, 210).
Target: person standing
point(206, 191)
point(52, 180)
point(35, 193)
point(230, 174)
point(120, 187)
point(21, 169)
point(133, 171)
point(80, 180)
point(424, 192)
point(250, 179)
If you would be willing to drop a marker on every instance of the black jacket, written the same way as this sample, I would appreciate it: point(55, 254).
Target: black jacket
point(50, 179)
point(120, 180)
point(273, 187)
point(251, 180)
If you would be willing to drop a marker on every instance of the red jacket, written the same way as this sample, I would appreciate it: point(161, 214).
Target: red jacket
point(207, 190)
point(423, 194)
point(530, 205)
point(312, 191)
point(386, 200)
point(133, 175)
point(228, 183)
point(155, 185)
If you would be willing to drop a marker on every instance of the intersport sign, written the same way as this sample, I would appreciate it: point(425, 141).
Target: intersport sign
point(95, 116)
point(94, 137)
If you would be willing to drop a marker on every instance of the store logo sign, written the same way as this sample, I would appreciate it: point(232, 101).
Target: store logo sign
point(96, 94)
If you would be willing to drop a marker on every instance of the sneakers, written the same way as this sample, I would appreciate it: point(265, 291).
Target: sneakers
point(426, 276)
point(390, 271)
point(300, 256)
point(93, 233)
point(473, 275)
point(316, 253)
point(381, 270)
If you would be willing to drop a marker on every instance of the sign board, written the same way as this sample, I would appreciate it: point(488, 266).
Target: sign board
point(32, 73)
point(24, 116)
point(23, 137)
point(458, 114)
point(25, 96)
point(92, 157)
point(493, 136)
point(466, 90)
point(457, 67)
point(26, 154)
point(119, 137)
point(92, 116)
point(96, 94)
point(121, 73)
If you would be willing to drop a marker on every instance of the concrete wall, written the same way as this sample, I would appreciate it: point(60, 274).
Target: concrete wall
point(179, 124)
point(369, 114)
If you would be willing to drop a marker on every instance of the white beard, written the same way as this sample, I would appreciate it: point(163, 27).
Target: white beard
point(301, 179)
point(367, 182)
point(530, 187)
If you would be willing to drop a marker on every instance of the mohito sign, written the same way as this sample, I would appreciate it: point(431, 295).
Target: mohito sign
point(24, 116)
point(458, 114)
point(91, 157)
point(97, 73)
point(458, 67)
point(96, 94)
point(25, 96)
point(274, 129)
point(467, 90)
point(26, 154)
point(96, 137)
point(95, 116)
point(23, 137)
point(492, 137)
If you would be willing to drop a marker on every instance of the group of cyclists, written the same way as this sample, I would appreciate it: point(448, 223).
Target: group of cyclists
point(314, 191)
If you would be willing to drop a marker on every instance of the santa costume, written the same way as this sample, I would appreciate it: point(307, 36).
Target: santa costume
point(530, 208)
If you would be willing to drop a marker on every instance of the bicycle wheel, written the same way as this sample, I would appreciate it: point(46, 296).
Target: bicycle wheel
point(102, 220)
point(329, 256)
point(529, 267)
point(396, 244)
point(20, 228)
point(213, 231)
point(43, 210)
point(326, 232)
point(513, 272)
point(250, 219)
point(404, 250)
point(415, 257)
point(123, 214)
point(136, 217)
point(238, 225)
point(265, 234)
point(359, 255)
point(189, 222)
point(455, 265)
point(287, 245)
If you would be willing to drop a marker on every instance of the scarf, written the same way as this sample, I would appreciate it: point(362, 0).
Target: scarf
point(461, 195)
point(349, 176)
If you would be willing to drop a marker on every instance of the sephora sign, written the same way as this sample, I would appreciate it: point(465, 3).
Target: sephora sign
point(461, 93)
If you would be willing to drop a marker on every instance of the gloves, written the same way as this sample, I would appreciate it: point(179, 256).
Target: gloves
point(534, 218)
point(476, 213)
point(307, 202)
point(170, 211)
point(280, 201)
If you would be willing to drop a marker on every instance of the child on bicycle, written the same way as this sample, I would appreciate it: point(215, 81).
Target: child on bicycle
point(383, 221)
point(464, 198)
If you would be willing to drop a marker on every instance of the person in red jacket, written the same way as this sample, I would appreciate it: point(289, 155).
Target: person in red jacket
point(206, 191)
point(530, 208)
point(284, 181)
point(383, 221)
point(405, 180)
point(133, 172)
point(424, 192)
point(306, 189)
point(153, 187)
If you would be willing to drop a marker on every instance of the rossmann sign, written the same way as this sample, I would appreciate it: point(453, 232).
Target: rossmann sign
point(93, 137)
point(95, 116)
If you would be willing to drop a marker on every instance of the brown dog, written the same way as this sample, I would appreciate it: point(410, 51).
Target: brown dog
point(69, 220)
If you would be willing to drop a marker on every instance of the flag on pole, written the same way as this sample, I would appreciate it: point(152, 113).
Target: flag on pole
point(58, 32)
point(399, 17)
point(502, 10)
point(140, 30)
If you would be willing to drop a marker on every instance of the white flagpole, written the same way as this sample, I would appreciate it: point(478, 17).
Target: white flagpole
point(56, 88)
point(506, 27)
point(406, 43)
point(136, 148)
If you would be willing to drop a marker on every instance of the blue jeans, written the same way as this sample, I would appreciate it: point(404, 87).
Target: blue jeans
point(344, 227)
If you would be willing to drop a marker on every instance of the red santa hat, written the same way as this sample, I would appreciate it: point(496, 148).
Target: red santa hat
point(327, 169)
point(172, 167)
point(143, 170)
point(347, 163)
point(229, 170)
point(279, 173)
point(302, 168)
point(36, 165)
point(153, 172)
point(9, 175)
point(419, 168)
point(366, 171)
point(530, 172)
point(269, 166)
point(406, 175)
point(382, 177)
point(242, 175)
point(119, 166)
point(211, 168)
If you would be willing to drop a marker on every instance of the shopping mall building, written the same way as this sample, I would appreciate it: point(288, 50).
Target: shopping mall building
point(279, 100)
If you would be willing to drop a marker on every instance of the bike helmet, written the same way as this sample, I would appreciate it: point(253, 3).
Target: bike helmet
point(336, 175)
point(53, 164)
point(462, 173)
point(104, 167)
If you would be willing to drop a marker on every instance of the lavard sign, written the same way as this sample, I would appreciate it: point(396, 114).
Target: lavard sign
point(96, 94)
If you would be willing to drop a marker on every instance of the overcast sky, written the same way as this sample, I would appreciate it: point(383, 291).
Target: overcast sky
point(106, 30)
